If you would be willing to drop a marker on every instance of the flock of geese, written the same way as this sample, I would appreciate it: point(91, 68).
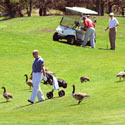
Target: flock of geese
point(77, 96)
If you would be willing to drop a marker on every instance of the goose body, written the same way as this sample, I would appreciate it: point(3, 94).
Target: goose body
point(30, 84)
point(78, 96)
point(84, 79)
point(121, 75)
point(6, 95)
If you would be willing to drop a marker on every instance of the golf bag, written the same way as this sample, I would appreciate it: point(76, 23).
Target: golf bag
point(49, 80)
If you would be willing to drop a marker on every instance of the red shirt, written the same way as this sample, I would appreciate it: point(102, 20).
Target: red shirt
point(88, 23)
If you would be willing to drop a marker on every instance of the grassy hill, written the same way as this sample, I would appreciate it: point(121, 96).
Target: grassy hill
point(106, 105)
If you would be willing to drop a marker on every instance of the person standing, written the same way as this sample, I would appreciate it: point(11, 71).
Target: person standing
point(38, 72)
point(113, 23)
point(90, 32)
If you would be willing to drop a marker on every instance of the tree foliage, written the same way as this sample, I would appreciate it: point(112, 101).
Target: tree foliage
point(15, 7)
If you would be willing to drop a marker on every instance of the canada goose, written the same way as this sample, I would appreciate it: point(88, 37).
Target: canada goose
point(84, 79)
point(121, 75)
point(30, 84)
point(78, 96)
point(6, 95)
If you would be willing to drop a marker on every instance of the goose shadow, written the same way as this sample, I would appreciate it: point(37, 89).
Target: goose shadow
point(119, 81)
point(4, 102)
point(76, 104)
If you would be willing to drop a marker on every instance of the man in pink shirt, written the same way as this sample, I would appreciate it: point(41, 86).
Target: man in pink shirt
point(90, 32)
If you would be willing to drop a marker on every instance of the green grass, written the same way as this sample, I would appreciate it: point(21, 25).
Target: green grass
point(106, 105)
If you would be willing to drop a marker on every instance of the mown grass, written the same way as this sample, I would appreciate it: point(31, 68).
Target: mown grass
point(106, 105)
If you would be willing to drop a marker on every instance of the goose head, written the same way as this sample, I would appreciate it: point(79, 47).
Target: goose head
point(25, 75)
point(4, 89)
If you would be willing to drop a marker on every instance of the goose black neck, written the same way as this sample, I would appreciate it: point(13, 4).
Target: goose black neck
point(73, 89)
point(4, 89)
point(26, 77)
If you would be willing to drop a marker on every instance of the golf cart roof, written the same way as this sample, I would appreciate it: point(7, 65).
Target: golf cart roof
point(81, 10)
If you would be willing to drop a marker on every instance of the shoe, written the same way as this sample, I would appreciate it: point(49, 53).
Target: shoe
point(81, 45)
point(30, 101)
point(111, 49)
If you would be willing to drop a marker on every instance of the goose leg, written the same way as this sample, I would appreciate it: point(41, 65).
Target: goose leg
point(123, 78)
point(79, 101)
point(120, 78)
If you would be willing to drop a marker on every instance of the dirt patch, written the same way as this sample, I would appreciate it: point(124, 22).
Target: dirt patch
point(46, 30)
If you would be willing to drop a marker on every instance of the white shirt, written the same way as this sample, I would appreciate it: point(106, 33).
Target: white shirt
point(113, 22)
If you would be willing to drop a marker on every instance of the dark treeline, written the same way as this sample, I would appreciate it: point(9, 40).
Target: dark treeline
point(13, 8)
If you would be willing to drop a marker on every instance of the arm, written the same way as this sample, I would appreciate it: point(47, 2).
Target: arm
point(43, 69)
point(116, 25)
point(86, 23)
point(107, 28)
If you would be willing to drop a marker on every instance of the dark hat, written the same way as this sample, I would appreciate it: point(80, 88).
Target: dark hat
point(84, 17)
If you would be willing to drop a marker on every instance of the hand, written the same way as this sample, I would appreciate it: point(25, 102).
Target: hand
point(106, 29)
point(113, 28)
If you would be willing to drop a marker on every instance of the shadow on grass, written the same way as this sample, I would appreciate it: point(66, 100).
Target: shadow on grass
point(5, 19)
point(33, 104)
point(52, 98)
point(26, 89)
point(103, 49)
point(23, 106)
point(119, 81)
point(78, 44)
point(65, 42)
point(4, 102)
point(76, 104)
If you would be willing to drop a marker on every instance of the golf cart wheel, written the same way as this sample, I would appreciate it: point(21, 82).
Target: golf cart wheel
point(49, 95)
point(61, 93)
point(55, 37)
point(71, 40)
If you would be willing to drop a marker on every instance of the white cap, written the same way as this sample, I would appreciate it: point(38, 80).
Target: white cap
point(35, 51)
point(111, 14)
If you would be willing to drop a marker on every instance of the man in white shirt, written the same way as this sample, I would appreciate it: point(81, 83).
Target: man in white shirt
point(113, 23)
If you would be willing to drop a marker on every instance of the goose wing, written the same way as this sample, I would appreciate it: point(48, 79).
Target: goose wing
point(79, 96)
point(29, 83)
point(120, 74)
point(7, 95)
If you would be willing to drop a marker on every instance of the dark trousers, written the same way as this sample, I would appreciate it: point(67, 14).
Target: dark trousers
point(112, 38)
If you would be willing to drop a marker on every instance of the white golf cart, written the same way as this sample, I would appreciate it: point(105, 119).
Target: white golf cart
point(71, 28)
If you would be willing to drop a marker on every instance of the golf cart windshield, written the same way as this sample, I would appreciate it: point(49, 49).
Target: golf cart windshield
point(67, 22)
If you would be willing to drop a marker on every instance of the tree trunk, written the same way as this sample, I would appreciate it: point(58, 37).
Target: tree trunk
point(110, 7)
point(44, 12)
point(123, 12)
point(40, 12)
point(10, 10)
point(98, 6)
point(102, 8)
point(30, 7)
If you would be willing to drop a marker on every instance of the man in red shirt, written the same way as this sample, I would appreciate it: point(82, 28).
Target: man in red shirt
point(90, 32)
